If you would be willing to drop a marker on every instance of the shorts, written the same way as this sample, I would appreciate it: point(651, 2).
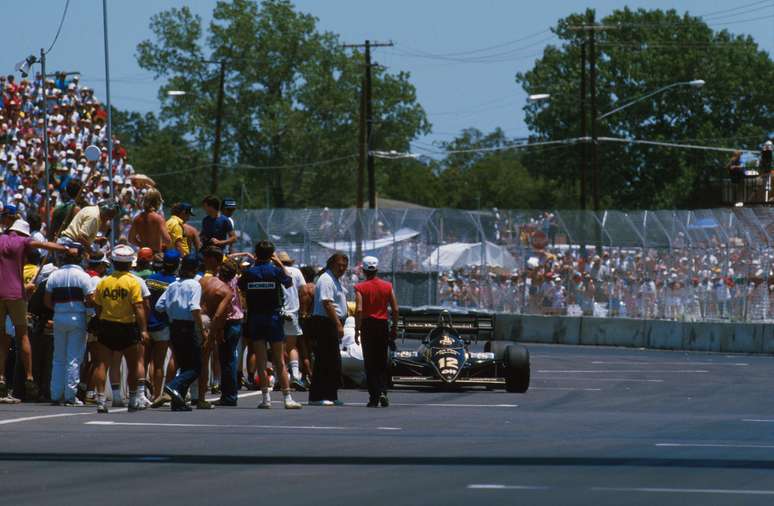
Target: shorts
point(117, 336)
point(159, 336)
point(267, 328)
point(16, 309)
point(291, 327)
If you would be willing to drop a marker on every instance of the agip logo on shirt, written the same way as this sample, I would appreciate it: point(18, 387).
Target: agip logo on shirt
point(115, 293)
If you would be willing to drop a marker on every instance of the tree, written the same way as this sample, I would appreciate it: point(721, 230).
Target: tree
point(291, 98)
point(162, 153)
point(645, 50)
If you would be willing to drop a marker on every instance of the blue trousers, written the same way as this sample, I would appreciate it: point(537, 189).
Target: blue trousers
point(188, 355)
point(229, 360)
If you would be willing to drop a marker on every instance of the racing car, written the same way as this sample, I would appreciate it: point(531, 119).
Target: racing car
point(444, 360)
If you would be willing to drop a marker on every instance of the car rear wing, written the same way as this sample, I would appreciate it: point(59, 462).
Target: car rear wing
point(415, 323)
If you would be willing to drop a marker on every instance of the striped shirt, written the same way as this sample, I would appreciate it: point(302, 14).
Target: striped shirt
point(69, 286)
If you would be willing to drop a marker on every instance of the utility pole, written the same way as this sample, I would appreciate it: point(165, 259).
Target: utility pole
point(594, 132)
point(109, 117)
point(369, 120)
point(362, 148)
point(584, 130)
point(45, 143)
point(218, 125)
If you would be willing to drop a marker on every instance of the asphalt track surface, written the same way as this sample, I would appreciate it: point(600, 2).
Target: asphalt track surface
point(599, 426)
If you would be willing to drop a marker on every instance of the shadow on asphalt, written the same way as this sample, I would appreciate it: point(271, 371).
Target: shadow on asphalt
point(388, 461)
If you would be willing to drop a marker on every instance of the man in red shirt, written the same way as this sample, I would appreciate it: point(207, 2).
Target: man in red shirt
point(372, 298)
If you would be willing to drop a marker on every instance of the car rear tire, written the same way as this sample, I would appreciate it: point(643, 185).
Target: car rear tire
point(498, 348)
point(516, 369)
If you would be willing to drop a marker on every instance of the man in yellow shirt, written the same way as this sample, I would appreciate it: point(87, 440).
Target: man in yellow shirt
point(181, 213)
point(89, 221)
point(122, 327)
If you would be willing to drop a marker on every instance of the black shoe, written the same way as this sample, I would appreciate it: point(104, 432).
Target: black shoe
point(181, 407)
point(177, 400)
point(299, 384)
point(31, 391)
point(223, 402)
point(384, 401)
point(372, 403)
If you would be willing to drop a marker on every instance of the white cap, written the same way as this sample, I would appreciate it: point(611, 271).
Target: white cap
point(123, 253)
point(21, 227)
point(370, 263)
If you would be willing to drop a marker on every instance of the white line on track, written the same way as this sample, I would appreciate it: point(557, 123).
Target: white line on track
point(687, 363)
point(758, 420)
point(627, 380)
point(231, 426)
point(684, 490)
point(570, 389)
point(623, 371)
point(444, 405)
point(713, 445)
point(495, 486)
point(58, 415)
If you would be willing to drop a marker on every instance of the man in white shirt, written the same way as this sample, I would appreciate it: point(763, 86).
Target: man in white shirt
point(290, 313)
point(69, 290)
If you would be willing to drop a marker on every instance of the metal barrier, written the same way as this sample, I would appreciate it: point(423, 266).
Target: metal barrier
point(712, 264)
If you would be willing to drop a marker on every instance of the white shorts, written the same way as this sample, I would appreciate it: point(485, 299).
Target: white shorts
point(291, 327)
point(159, 336)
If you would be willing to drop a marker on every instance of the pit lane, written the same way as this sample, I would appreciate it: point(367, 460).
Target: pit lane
point(598, 426)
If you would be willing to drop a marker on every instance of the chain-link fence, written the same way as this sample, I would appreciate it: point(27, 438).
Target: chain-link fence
point(691, 265)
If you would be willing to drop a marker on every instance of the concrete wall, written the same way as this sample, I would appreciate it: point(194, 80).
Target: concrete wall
point(657, 334)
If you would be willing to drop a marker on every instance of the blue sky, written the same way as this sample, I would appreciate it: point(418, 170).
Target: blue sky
point(456, 95)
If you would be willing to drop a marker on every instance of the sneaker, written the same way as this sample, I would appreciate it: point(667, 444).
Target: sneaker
point(102, 408)
point(3, 390)
point(75, 403)
point(338, 403)
point(215, 389)
point(321, 403)
point(9, 399)
point(223, 402)
point(265, 402)
point(31, 391)
point(174, 397)
point(181, 407)
point(146, 402)
point(299, 385)
point(202, 404)
point(372, 403)
point(136, 405)
point(291, 404)
point(384, 401)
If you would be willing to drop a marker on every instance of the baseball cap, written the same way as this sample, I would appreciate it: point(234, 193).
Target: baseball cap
point(171, 257)
point(145, 254)
point(123, 254)
point(10, 209)
point(20, 226)
point(370, 263)
point(284, 257)
point(183, 207)
point(190, 262)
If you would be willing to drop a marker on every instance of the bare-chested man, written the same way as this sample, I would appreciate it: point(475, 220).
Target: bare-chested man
point(149, 230)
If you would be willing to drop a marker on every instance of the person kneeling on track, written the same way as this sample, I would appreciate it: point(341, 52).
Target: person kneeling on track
point(262, 285)
point(122, 327)
point(182, 304)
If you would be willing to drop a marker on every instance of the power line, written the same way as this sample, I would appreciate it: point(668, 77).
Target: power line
point(484, 49)
point(731, 9)
point(59, 30)
point(248, 166)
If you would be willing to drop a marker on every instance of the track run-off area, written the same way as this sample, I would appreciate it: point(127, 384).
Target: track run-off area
point(603, 426)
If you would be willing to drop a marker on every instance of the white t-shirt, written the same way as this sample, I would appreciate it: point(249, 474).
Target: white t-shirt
point(69, 286)
point(329, 288)
point(292, 304)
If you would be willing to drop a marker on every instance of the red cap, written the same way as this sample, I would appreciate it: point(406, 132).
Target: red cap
point(145, 254)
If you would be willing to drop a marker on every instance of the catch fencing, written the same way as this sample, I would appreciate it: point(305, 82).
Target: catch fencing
point(696, 265)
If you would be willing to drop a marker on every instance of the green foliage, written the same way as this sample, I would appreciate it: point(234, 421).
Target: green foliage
point(646, 50)
point(292, 96)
